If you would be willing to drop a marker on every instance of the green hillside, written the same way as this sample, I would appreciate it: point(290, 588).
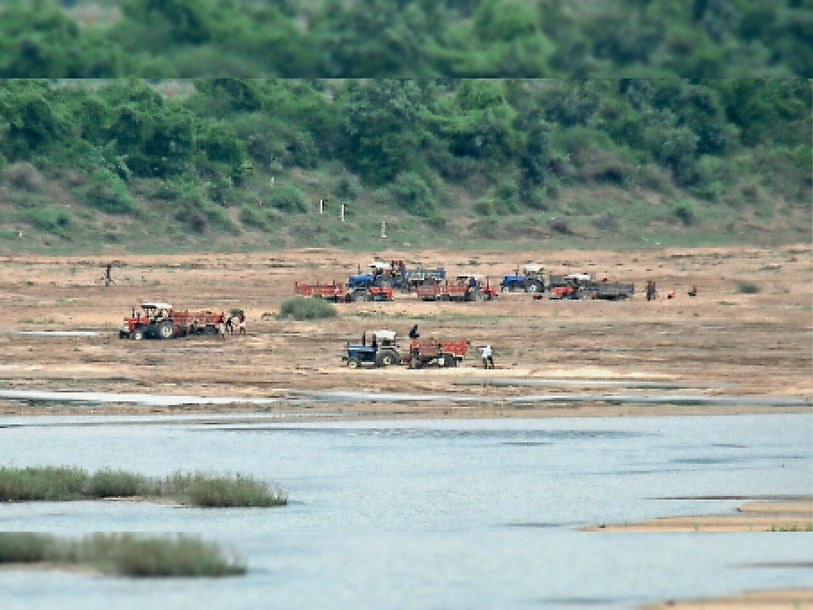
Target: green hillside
point(406, 38)
point(242, 164)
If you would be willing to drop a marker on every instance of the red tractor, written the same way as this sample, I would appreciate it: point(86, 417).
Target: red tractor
point(160, 321)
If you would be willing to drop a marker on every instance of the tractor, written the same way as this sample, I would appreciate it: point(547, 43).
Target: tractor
point(530, 280)
point(382, 350)
point(159, 321)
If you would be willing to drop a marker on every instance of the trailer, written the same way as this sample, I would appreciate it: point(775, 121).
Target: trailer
point(368, 293)
point(443, 353)
point(157, 320)
point(464, 288)
point(335, 291)
point(611, 291)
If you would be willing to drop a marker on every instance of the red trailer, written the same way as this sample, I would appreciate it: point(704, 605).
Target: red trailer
point(332, 292)
point(464, 288)
point(432, 351)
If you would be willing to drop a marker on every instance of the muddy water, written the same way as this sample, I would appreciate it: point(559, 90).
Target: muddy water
point(431, 514)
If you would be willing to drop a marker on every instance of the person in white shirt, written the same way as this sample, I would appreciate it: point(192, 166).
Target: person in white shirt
point(487, 356)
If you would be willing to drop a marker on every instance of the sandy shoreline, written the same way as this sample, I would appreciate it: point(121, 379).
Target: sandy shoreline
point(784, 514)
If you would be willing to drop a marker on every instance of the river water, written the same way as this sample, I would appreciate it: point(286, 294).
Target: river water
point(430, 514)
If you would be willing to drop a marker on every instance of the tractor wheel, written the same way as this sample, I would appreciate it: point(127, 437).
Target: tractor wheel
point(165, 330)
point(447, 361)
point(534, 287)
point(137, 334)
point(386, 358)
point(357, 296)
point(354, 363)
point(505, 288)
point(582, 293)
point(444, 297)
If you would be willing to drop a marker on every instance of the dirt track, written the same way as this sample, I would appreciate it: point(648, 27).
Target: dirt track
point(722, 342)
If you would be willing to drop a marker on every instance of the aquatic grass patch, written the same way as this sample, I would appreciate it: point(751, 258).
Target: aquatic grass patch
point(306, 308)
point(222, 491)
point(122, 554)
point(58, 483)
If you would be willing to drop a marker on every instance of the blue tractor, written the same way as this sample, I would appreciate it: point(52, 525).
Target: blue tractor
point(531, 280)
point(380, 352)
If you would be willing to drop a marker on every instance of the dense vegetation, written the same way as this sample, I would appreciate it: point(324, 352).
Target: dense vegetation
point(122, 554)
point(243, 163)
point(56, 483)
point(407, 38)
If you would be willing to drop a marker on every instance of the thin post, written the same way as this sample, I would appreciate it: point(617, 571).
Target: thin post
point(342, 213)
point(383, 229)
point(321, 206)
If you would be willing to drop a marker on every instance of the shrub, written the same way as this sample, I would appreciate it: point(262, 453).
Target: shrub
point(106, 192)
point(288, 198)
point(411, 192)
point(253, 217)
point(47, 218)
point(231, 491)
point(747, 287)
point(560, 225)
point(306, 308)
point(685, 213)
point(23, 176)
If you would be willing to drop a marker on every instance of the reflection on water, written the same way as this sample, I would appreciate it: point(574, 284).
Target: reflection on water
point(432, 514)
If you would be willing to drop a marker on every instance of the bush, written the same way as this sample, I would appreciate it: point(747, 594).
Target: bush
point(287, 198)
point(685, 213)
point(306, 308)
point(23, 176)
point(253, 216)
point(116, 484)
point(411, 192)
point(747, 287)
point(560, 225)
point(47, 218)
point(106, 191)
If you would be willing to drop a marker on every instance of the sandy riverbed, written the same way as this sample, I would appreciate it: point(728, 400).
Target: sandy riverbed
point(723, 342)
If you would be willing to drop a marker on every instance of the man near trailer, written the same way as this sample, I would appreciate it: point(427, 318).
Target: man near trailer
point(487, 356)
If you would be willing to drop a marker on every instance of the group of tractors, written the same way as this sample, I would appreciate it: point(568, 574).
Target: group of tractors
point(383, 350)
point(383, 278)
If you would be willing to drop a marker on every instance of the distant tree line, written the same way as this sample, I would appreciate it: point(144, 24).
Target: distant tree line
point(407, 38)
point(202, 146)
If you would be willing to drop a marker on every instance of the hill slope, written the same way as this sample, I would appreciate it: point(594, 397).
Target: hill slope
point(242, 164)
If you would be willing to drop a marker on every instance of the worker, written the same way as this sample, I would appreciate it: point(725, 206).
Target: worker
point(241, 323)
point(670, 294)
point(487, 356)
point(230, 325)
point(413, 332)
point(108, 275)
point(693, 291)
point(221, 327)
point(414, 357)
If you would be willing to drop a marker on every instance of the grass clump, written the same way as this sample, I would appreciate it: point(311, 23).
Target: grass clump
point(306, 308)
point(747, 287)
point(222, 491)
point(123, 554)
point(53, 483)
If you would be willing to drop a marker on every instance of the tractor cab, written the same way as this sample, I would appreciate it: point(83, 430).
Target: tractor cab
point(477, 287)
point(154, 319)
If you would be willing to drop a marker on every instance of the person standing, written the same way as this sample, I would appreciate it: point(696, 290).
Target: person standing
point(413, 332)
point(487, 356)
point(241, 323)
